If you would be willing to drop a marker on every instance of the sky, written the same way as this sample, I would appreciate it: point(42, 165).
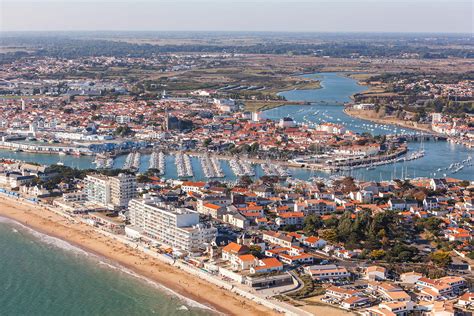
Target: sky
point(433, 16)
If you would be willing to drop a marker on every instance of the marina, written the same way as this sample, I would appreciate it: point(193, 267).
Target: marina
point(434, 161)
point(103, 162)
point(242, 168)
point(274, 170)
point(183, 166)
point(157, 161)
point(211, 167)
point(133, 161)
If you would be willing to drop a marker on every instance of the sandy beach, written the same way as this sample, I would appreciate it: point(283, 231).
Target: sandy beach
point(87, 239)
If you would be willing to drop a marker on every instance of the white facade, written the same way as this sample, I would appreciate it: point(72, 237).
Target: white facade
point(287, 122)
point(111, 192)
point(122, 119)
point(176, 227)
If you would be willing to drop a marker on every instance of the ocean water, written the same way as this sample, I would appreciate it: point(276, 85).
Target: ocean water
point(42, 275)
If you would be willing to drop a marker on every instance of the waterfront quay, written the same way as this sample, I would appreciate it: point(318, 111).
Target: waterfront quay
point(316, 132)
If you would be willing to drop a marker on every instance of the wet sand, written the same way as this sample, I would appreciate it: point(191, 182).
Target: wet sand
point(88, 239)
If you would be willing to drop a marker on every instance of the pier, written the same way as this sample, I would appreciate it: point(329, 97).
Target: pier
point(183, 165)
point(157, 161)
point(132, 162)
point(242, 168)
point(211, 167)
point(274, 170)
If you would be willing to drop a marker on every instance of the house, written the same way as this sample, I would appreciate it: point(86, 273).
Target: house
point(15, 180)
point(397, 204)
point(341, 293)
point(263, 191)
point(354, 301)
point(314, 242)
point(389, 291)
point(232, 251)
point(362, 196)
point(237, 220)
point(280, 239)
point(457, 234)
point(438, 184)
point(315, 206)
point(267, 265)
point(290, 218)
point(190, 186)
point(345, 254)
point(216, 199)
point(392, 293)
point(430, 203)
point(466, 300)
point(410, 277)
point(390, 309)
point(457, 283)
point(443, 308)
point(376, 273)
point(401, 308)
point(245, 262)
point(215, 211)
point(327, 272)
point(293, 255)
point(434, 289)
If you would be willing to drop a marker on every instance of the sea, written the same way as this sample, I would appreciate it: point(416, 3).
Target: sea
point(43, 275)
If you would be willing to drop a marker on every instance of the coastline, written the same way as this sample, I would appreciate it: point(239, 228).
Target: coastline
point(172, 279)
point(359, 115)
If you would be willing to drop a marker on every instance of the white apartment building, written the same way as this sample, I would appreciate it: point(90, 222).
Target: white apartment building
point(179, 228)
point(327, 272)
point(122, 119)
point(111, 192)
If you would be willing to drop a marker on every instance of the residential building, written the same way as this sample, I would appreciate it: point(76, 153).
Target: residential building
point(327, 272)
point(110, 192)
point(179, 228)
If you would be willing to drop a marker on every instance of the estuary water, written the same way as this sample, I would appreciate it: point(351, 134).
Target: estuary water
point(42, 275)
point(326, 106)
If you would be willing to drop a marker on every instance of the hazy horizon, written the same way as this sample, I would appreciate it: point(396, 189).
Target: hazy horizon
point(349, 16)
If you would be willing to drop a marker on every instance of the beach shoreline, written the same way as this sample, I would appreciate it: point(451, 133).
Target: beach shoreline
point(172, 279)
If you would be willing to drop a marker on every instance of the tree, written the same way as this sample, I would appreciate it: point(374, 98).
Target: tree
point(152, 172)
point(441, 258)
point(245, 181)
point(331, 222)
point(123, 131)
point(254, 147)
point(143, 178)
point(377, 254)
point(207, 142)
point(256, 251)
point(329, 235)
point(312, 223)
point(290, 228)
point(430, 224)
